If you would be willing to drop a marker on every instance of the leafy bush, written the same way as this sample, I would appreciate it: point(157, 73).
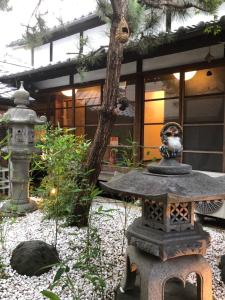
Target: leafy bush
point(65, 189)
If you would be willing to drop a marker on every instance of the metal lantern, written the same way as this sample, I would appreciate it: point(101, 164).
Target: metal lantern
point(122, 32)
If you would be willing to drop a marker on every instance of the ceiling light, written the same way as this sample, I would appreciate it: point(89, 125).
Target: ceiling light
point(68, 93)
point(188, 75)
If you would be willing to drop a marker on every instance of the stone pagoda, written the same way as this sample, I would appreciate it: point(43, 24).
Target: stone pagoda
point(20, 121)
point(166, 242)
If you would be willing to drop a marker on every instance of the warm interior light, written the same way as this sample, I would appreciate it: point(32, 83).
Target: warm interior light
point(53, 191)
point(188, 75)
point(155, 95)
point(68, 93)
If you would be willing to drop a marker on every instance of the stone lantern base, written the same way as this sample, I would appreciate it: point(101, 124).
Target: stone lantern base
point(155, 275)
point(17, 209)
point(174, 291)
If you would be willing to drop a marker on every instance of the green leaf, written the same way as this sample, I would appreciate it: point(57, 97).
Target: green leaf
point(59, 274)
point(50, 295)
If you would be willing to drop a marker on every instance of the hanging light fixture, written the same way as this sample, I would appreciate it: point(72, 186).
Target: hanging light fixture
point(188, 75)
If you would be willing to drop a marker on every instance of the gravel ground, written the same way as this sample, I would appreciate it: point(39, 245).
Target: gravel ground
point(70, 241)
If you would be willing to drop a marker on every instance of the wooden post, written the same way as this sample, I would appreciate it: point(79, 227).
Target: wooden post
point(139, 108)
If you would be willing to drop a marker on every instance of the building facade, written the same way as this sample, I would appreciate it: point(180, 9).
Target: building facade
point(181, 80)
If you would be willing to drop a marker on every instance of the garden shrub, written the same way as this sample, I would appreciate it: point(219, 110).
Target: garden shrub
point(65, 189)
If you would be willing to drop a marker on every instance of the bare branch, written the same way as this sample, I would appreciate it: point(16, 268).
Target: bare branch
point(35, 10)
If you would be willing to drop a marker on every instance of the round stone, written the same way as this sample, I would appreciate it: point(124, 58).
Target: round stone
point(33, 258)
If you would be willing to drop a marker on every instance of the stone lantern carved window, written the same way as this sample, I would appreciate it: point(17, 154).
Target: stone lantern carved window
point(19, 135)
point(30, 136)
point(153, 211)
point(179, 213)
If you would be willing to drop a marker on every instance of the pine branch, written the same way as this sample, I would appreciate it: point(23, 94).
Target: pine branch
point(4, 5)
point(104, 10)
point(160, 4)
point(35, 11)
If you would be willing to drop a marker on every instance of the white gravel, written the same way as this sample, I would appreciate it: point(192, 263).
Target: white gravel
point(17, 287)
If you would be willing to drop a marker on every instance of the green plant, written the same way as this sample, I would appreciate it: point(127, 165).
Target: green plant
point(89, 262)
point(90, 258)
point(128, 154)
point(3, 274)
point(62, 278)
point(65, 189)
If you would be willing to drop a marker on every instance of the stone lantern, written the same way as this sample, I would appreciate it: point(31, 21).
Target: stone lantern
point(20, 121)
point(166, 242)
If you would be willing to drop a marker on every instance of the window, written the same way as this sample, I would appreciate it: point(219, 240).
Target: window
point(207, 81)
point(96, 37)
point(161, 105)
point(69, 44)
point(204, 119)
point(122, 131)
point(42, 55)
point(63, 110)
point(87, 103)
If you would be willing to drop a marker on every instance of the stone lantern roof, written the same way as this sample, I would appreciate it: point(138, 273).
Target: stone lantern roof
point(195, 186)
point(21, 114)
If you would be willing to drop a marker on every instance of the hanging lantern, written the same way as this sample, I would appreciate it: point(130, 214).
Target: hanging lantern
point(122, 32)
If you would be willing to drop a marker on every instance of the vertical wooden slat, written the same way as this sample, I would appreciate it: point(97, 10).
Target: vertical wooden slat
point(51, 52)
point(73, 98)
point(139, 104)
point(181, 99)
point(32, 57)
point(181, 102)
point(223, 167)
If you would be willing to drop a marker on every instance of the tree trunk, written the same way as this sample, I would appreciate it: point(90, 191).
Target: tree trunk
point(107, 114)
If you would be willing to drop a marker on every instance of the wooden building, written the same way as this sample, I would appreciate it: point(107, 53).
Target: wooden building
point(182, 80)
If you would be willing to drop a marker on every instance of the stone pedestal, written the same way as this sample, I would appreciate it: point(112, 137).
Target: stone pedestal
point(154, 275)
point(19, 203)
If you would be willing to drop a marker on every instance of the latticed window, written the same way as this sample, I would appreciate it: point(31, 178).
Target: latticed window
point(179, 213)
point(154, 211)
